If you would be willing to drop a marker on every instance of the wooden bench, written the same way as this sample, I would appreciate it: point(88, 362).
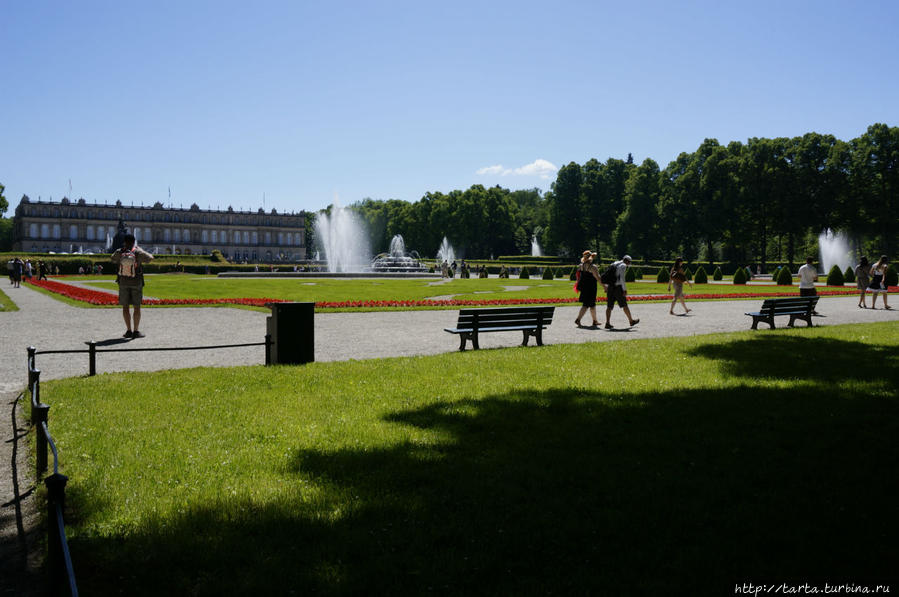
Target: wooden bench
point(529, 320)
point(800, 307)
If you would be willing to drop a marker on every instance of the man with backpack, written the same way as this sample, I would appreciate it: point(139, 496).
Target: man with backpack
point(130, 278)
point(616, 289)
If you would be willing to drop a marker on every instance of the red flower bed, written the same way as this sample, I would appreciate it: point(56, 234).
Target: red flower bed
point(99, 297)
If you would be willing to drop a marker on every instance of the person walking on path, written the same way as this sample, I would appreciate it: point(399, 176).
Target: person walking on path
point(18, 267)
point(588, 277)
point(808, 275)
point(616, 292)
point(676, 278)
point(130, 279)
point(862, 279)
point(878, 283)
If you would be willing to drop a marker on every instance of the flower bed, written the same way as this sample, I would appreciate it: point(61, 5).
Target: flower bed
point(99, 297)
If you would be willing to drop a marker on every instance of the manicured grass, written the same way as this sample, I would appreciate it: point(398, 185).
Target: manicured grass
point(683, 465)
point(324, 289)
point(6, 303)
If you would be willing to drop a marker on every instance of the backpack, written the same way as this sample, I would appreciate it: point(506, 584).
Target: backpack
point(610, 276)
point(129, 267)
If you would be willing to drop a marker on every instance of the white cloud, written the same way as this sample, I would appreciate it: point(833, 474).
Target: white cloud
point(492, 170)
point(539, 167)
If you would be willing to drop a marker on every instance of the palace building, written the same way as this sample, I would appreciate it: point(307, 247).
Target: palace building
point(78, 226)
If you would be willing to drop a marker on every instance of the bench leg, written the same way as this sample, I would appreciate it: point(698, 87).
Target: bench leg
point(474, 341)
point(539, 336)
point(770, 322)
point(524, 339)
point(463, 337)
point(755, 323)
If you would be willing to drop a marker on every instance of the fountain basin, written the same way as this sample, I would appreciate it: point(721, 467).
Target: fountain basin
point(418, 274)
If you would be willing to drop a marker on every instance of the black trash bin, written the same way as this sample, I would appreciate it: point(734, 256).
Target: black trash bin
point(292, 330)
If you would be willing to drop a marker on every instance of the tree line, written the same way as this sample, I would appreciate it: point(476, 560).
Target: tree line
point(765, 199)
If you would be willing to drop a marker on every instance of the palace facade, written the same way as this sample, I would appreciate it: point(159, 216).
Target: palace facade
point(78, 226)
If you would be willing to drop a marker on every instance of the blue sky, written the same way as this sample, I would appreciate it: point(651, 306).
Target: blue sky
point(301, 102)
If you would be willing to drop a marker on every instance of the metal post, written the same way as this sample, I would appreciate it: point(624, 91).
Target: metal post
point(35, 389)
point(39, 414)
point(268, 349)
point(31, 363)
point(56, 497)
point(92, 358)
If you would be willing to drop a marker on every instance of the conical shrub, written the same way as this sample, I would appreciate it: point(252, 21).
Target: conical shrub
point(573, 275)
point(638, 273)
point(784, 277)
point(663, 276)
point(718, 274)
point(835, 277)
point(849, 275)
point(700, 277)
point(560, 272)
point(547, 273)
point(892, 276)
point(688, 273)
point(740, 276)
point(525, 274)
point(629, 275)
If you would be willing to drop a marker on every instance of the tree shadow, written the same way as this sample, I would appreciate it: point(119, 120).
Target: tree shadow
point(822, 360)
point(552, 492)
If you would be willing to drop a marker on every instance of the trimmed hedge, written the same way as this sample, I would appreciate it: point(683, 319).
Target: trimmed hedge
point(629, 275)
point(547, 273)
point(892, 276)
point(835, 277)
point(663, 276)
point(849, 275)
point(740, 276)
point(525, 274)
point(784, 277)
point(700, 277)
point(718, 274)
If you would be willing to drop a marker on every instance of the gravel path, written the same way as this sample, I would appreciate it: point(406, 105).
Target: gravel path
point(50, 324)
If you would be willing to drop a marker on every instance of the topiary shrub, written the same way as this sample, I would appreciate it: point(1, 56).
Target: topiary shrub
point(718, 274)
point(849, 275)
point(629, 275)
point(701, 277)
point(688, 273)
point(784, 277)
point(525, 274)
point(740, 276)
point(638, 273)
point(431, 270)
point(547, 273)
point(217, 256)
point(573, 275)
point(835, 277)
point(663, 276)
point(892, 276)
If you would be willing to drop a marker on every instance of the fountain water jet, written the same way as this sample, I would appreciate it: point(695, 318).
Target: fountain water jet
point(536, 251)
point(833, 248)
point(342, 238)
point(445, 253)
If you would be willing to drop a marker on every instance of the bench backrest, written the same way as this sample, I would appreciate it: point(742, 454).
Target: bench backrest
point(791, 304)
point(504, 317)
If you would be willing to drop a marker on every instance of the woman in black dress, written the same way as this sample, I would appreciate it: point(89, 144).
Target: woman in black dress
point(588, 276)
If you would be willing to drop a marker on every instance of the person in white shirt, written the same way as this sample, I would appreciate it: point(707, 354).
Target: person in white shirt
point(808, 275)
point(617, 292)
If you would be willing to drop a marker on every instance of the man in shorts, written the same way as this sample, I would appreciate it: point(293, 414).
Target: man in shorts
point(617, 292)
point(808, 275)
point(130, 279)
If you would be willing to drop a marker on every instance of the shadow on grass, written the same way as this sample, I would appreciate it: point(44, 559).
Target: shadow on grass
point(556, 492)
point(825, 360)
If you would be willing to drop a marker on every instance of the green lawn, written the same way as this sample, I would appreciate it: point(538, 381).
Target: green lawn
point(6, 303)
point(324, 289)
point(650, 467)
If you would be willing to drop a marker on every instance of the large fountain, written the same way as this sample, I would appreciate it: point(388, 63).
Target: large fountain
point(834, 250)
point(536, 251)
point(398, 259)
